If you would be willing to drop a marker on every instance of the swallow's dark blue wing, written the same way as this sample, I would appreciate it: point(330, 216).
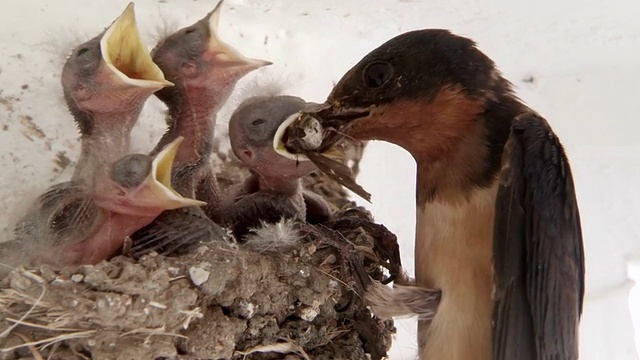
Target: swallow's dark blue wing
point(538, 249)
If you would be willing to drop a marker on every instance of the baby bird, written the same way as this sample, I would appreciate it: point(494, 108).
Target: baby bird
point(75, 225)
point(204, 70)
point(105, 82)
point(274, 189)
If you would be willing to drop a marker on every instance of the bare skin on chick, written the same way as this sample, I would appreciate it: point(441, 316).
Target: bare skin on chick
point(106, 82)
point(274, 189)
point(205, 71)
point(75, 225)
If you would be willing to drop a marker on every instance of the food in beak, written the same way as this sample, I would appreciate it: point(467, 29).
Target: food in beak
point(308, 138)
point(280, 139)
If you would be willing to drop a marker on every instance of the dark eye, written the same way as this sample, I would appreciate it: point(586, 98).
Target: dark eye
point(258, 122)
point(82, 51)
point(377, 74)
point(189, 31)
point(131, 170)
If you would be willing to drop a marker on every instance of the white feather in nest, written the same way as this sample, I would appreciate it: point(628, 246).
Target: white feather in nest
point(276, 237)
point(402, 301)
point(197, 302)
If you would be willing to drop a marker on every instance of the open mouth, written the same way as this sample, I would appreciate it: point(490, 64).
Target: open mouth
point(282, 137)
point(311, 136)
point(161, 177)
point(226, 53)
point(302, 132)
point(301, 137)
point(126, 55)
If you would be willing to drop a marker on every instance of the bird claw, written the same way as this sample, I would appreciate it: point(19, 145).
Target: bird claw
point(385, 253)
point(386, 246)
point(126, 246)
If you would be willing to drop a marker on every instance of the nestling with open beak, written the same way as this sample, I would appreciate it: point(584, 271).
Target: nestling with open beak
point(498, 226)
point(205, 71)
point(75, 225)
point(106, 82)
point(273, 190)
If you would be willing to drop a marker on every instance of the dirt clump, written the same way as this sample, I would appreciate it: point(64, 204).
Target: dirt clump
point(291, 291)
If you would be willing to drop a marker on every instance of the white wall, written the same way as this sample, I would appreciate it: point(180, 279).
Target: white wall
point(584, 58)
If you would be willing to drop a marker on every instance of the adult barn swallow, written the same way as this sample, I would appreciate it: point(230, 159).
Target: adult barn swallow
point(75, 225)
point(205, 71)
point(498, 226)
point(274, 188)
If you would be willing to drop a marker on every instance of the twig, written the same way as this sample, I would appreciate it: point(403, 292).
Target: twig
point(36, 354)
point(158, 331)
point(47, 327)
point(281, 348)
point(40, 281)
point(52, 340)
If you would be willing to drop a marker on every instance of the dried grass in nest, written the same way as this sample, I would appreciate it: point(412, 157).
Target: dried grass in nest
point(293, 291)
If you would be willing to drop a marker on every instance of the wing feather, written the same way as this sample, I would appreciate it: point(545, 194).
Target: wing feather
point(538, 248)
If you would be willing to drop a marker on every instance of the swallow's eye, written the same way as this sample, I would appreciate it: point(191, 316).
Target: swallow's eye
point(82, 51)
point(258, 122)
point(377, 74)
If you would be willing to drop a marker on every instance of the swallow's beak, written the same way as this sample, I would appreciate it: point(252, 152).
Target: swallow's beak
point(319, 128)
point(226, 55)
point(126, 56)
point(312, 139)
point(159, 180)
point(304, 137)
point(280, 139)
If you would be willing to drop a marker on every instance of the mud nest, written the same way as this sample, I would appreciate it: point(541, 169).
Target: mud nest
point(292, 291)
